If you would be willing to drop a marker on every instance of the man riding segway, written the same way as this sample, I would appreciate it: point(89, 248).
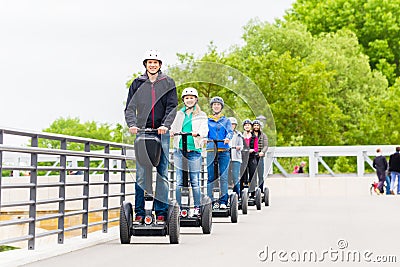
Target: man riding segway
point(151, 104)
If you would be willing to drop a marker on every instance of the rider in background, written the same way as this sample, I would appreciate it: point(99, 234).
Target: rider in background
point(236, 145)
point(249, 161)
point(262, 151)
point(219, 128)
point(189, 119)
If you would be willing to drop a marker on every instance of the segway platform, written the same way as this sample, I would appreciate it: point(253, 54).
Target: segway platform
point(149, 230)
point(190, 222)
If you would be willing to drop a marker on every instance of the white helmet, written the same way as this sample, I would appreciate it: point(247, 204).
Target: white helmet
point(151, 54)
point(190, 91)
point(233, 120)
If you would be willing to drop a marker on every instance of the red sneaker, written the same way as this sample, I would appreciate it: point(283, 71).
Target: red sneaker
point(139, 219)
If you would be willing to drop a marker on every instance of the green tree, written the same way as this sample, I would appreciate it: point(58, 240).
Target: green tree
point(328, 79)
point(90, 129)
point(376, 24)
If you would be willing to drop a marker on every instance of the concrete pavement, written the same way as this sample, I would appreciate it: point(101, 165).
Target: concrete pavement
point(293, 230)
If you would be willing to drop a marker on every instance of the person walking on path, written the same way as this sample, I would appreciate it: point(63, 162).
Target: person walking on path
point(381, 165)
point(394, 168)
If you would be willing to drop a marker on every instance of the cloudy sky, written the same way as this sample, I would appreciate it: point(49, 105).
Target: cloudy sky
point(72, 57)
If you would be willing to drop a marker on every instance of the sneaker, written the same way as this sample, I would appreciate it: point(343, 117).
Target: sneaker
point(139, 219)
point(196, 211)
point(222, 206)
point(160, 219)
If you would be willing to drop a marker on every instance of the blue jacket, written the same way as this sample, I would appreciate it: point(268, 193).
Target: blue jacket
point(218, 130)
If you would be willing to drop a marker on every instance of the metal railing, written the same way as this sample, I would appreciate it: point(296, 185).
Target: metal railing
point(62, 184)
point(61, 157)
point(317, 156)
point(107, 199)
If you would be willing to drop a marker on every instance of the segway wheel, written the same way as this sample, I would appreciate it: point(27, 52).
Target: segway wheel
point(125, 225)
point(245, 200)
point(266, 196)
point(174, 224)
point(206, 216)
point(258, 198)
point(234, 208)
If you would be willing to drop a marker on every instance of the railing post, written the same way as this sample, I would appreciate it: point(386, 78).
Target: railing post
point(106, 188)
point(360, 163)
point(123, 175)
point(1, 163)
point(86, 174)
point(313, 159)
point(61, 192)
point(33, 194)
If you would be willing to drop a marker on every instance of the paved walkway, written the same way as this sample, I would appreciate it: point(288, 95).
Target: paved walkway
point(330, 230)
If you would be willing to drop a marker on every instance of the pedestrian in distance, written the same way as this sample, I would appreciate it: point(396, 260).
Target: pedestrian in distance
point(381, 165)
point(394, 168)
point(302, 166)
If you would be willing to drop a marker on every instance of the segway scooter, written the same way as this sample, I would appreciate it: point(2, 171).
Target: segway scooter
point(186, 220)
point(252, 200)
point(232, 205)
point(148, 152)
point(265, 196)
point(243, 198)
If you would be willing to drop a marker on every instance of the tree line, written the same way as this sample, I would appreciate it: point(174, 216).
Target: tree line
point(329, 71)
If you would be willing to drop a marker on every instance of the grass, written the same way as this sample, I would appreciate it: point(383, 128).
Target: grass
point(6, 248)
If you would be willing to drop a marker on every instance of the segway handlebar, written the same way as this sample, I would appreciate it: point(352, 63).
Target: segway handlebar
point(184, 133)
point(147, 130)
point(215, 140)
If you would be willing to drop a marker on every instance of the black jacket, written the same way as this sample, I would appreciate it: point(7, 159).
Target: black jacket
point(151, 105)
point(394, 162)
point(380, 163)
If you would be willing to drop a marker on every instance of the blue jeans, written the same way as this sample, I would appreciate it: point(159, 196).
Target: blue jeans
point(162, 187)
point(194, 165)
point(235, 168)
point(223, 163)
point(393, 180)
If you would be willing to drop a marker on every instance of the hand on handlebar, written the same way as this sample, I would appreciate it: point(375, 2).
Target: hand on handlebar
point(162, 130)
point(133, 129)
